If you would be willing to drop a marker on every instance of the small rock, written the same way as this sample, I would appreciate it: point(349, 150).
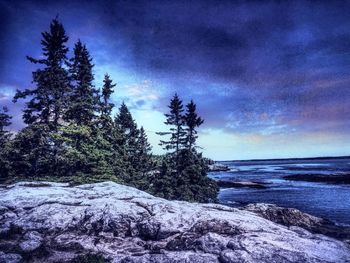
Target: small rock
point(32, 241)
point(10, 258)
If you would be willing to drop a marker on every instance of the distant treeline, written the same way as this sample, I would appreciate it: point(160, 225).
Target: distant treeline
point(72, 136)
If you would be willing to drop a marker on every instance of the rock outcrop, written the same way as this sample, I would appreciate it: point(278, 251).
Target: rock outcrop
point(293, 217)
point(51, 222)
point(218, 167)
point(240, 184)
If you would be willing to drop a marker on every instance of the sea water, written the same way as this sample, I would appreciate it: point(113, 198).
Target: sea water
point(330, 201)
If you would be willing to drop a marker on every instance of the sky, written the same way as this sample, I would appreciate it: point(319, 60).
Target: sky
point(270, 78)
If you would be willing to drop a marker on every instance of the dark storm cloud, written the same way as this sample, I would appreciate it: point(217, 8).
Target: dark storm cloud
point(269, 66)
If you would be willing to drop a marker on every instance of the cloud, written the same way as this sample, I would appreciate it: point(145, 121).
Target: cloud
point(254, 68)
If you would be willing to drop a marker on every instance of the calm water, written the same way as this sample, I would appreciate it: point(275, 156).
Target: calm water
point(320, 199)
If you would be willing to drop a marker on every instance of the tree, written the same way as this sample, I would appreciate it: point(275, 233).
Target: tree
point(193, 184)
point(5, 121)
point(187, 168)
point(112, 132)
point(47, 104)
point(49, 98)
point(128, 126)
point(192, 121)
point(105, 105)
point(83, 98)
point(144, 154)
point(124, 119)
point(30, 152)
point(90, 159)
point(176, 120)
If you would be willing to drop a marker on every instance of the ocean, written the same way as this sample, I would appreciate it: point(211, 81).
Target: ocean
point(330, 201)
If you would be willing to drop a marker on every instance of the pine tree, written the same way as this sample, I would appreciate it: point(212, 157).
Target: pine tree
point(176, 120)
point(83, 98)
point(192, 121)
point(5, 136)
point(47, 104)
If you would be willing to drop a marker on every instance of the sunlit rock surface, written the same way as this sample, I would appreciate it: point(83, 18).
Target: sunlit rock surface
point(51, 222)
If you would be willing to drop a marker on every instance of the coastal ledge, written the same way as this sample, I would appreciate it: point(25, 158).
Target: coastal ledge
point(51, 222)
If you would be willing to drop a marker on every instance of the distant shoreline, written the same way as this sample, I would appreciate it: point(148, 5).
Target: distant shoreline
point(287, 159)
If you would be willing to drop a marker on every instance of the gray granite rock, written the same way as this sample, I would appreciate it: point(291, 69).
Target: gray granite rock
point(51, 222)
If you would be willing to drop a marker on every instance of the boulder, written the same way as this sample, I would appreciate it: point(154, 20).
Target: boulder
point(292, 217)
point(51, 222)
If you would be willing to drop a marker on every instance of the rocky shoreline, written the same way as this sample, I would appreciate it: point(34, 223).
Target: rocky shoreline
point(52, 222)
point(239, 184)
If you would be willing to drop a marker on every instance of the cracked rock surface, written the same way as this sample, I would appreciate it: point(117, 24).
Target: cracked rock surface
point(52, 222)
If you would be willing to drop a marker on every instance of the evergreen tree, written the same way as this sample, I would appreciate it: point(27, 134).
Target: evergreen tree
point(85, 153)
point(112, 132)
point(5, 136)
point(193, 184)
point(30, 152)
point(106, 107)
point(124, 119)
point(192, 121)
point(49, 99)
point(47, 104)
point(143, 161)
point(164, 184)
point(144, 156)
point(126, 124)
point(83, 98)
point(5, 121)
point(176, 120)
point(187, 168)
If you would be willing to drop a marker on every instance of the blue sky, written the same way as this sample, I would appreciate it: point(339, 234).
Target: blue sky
point(270, 78)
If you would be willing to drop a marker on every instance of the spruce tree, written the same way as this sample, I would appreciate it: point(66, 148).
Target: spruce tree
point(48, 100)
point(47, 103)
point(83, 98)
point(144, 161)
point(192, 121)
point(187, 168)
point(5, 136)
point(106, 106)
point(126, 124)
point(111, 132)
point(176, 120)
point(5, 121)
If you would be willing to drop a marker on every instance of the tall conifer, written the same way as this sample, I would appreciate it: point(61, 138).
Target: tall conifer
point(175, 120)
point(192, 121)
point(5, 121)
point(83, 98)
point(47, 104)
